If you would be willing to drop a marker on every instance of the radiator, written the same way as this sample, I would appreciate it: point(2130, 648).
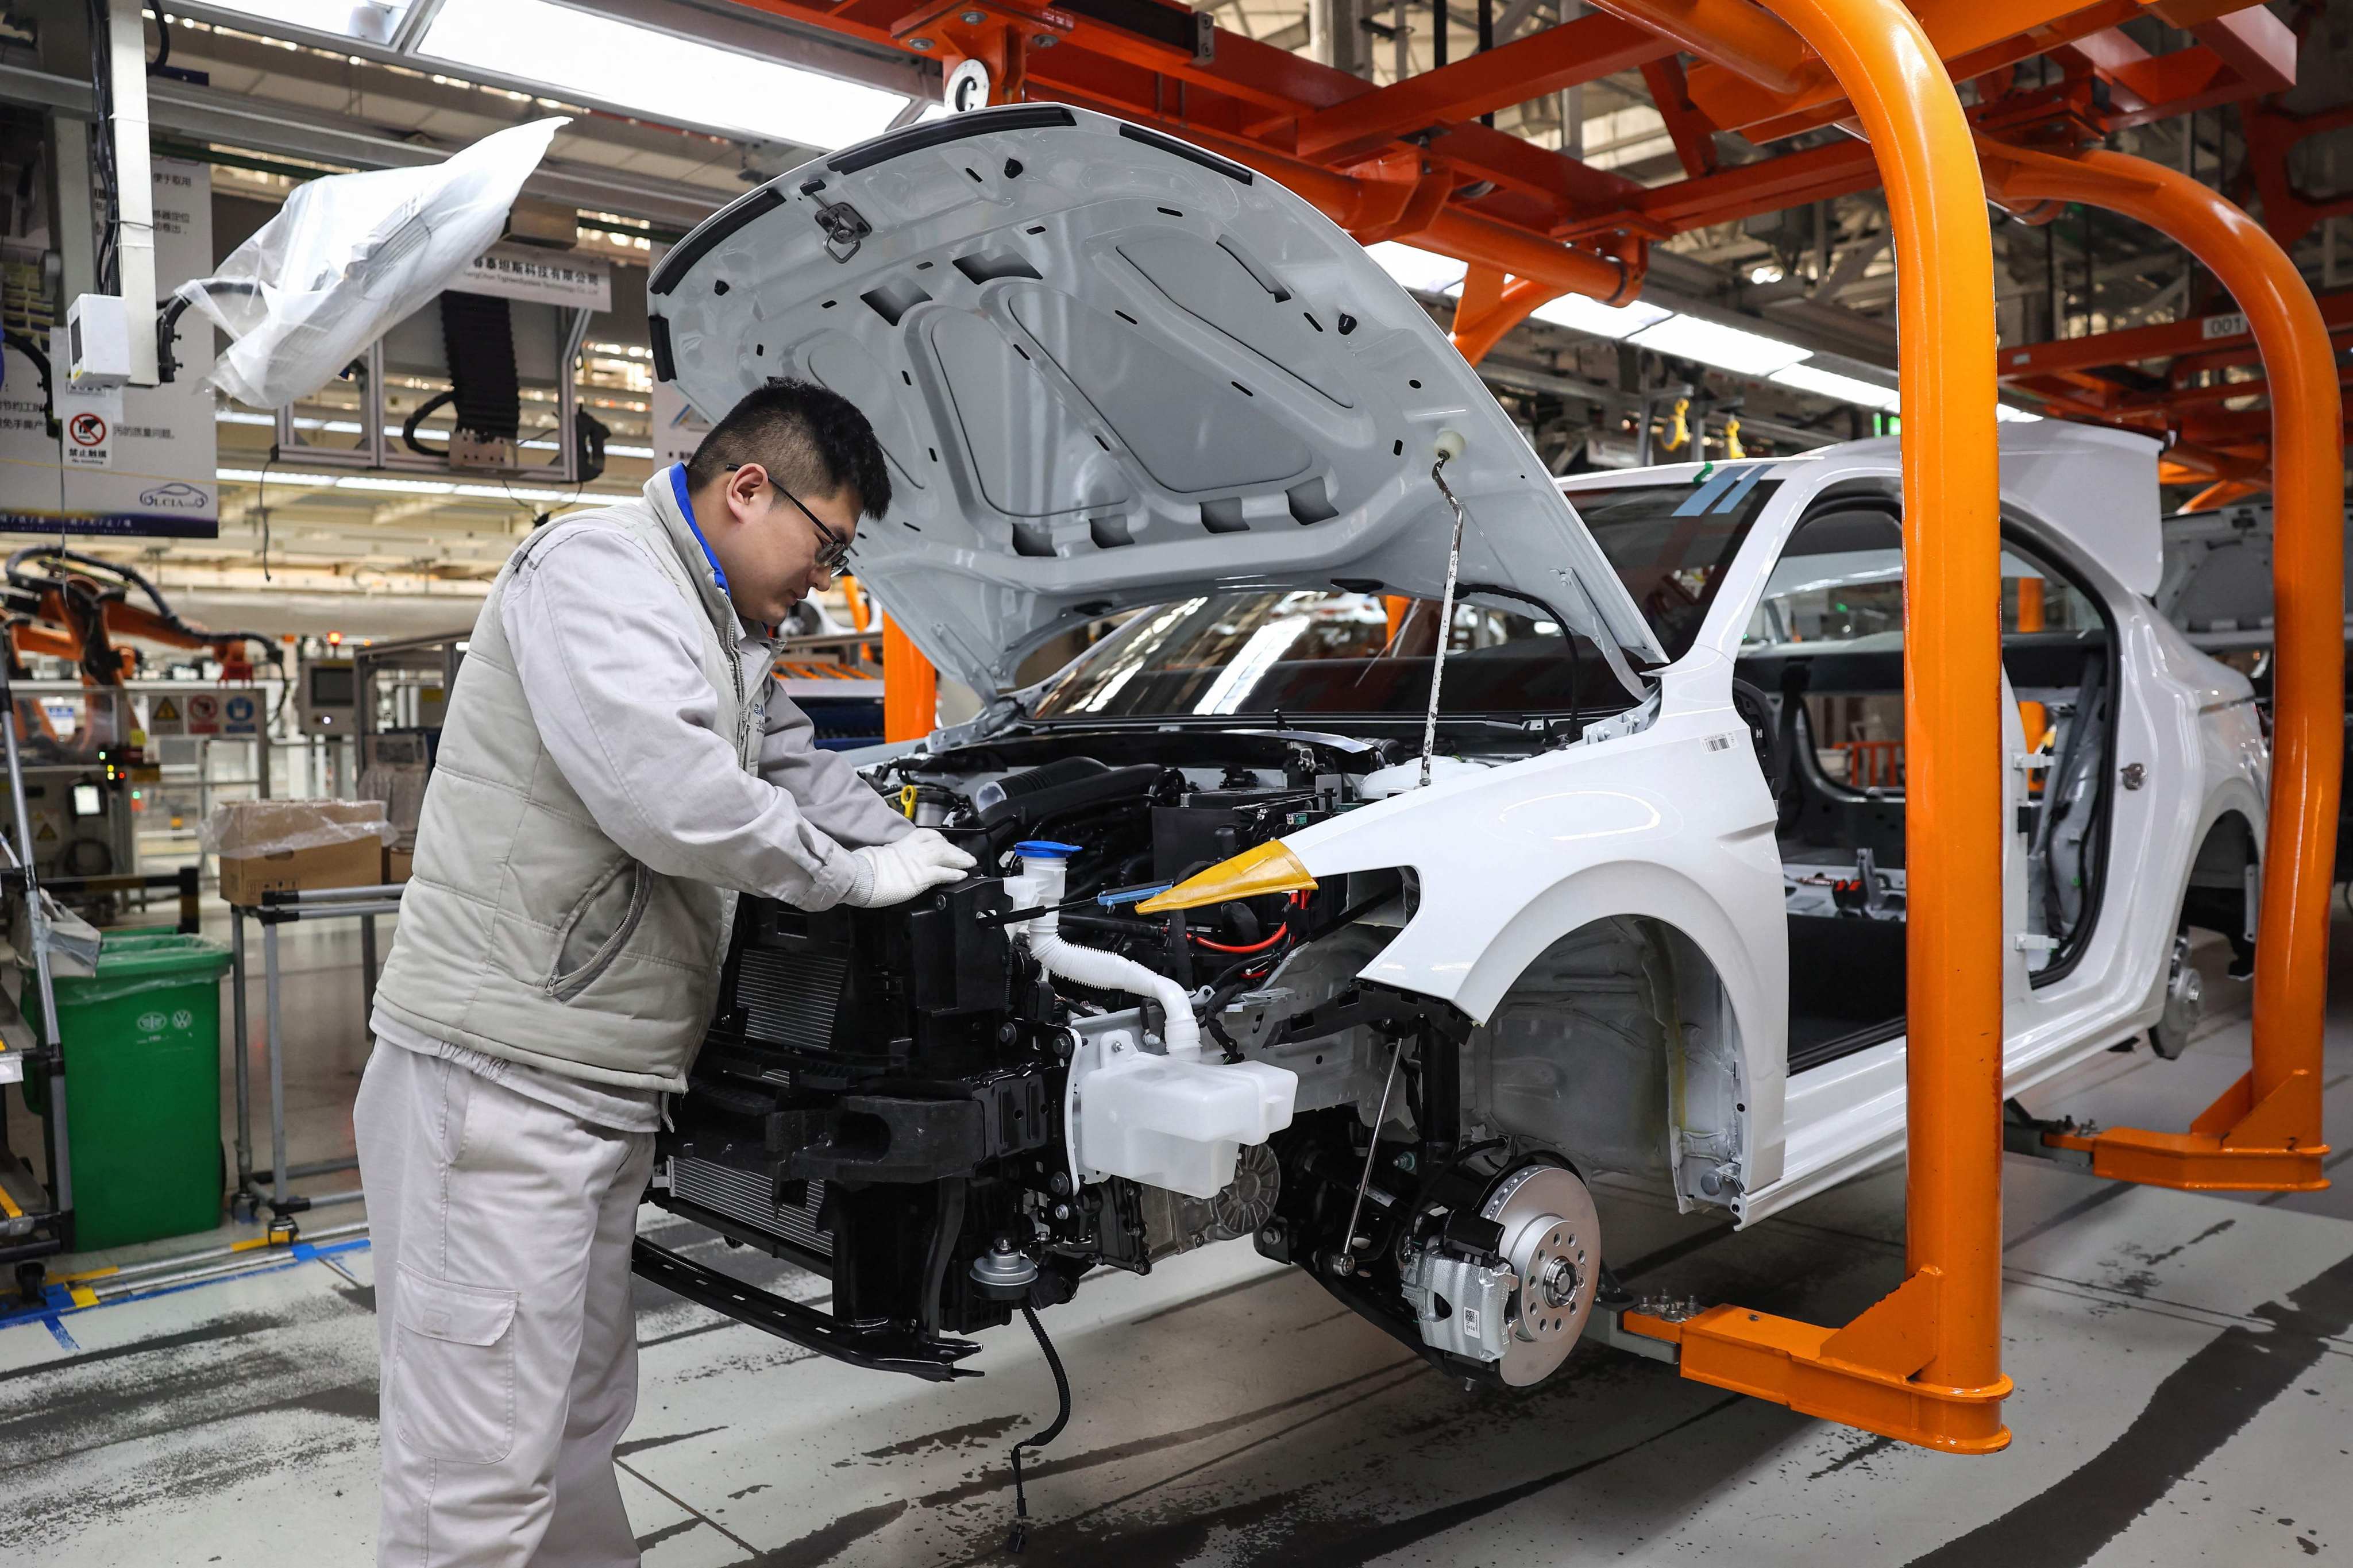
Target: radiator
point(743, 1196)
point(790, 997)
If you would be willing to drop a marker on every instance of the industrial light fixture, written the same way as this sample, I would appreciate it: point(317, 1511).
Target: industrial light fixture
point(272, 476)
point(1831, 383)
point(1584, 313)
point(407, 487)
point(307, 14)
point(1726, 348)
point(666, 77)
point(352, 428)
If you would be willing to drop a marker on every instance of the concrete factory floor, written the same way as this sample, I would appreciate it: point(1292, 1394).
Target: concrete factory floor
point(2184, 1369)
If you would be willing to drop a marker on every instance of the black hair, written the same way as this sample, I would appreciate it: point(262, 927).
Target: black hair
point(812, 441)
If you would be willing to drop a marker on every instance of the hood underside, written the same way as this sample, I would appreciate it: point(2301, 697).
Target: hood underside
point(1108, 370)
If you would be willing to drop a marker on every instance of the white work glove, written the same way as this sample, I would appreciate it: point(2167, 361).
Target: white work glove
point(892, 873)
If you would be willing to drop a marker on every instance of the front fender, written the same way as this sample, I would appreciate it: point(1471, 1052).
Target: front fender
point(1675, 821)
point(1674, 824)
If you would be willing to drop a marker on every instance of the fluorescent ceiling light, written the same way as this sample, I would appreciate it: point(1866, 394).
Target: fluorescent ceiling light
point(1584, 313)
point(1829, 383)
point(351, 427)
point(666, 77)
point(1423, 271)
point(410, 486)
point(317, 18)
point(501, 492)
point(274, 476)
point(1726, 348)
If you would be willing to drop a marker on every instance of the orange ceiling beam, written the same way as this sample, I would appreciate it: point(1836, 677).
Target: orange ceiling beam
point(1554, 60)
point(1412, 161)
point(1739, 39)
point(2226, 330)
point(1978, 37)
point(1285, 114)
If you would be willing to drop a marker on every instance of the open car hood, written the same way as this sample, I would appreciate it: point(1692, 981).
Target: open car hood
point(1110, 369)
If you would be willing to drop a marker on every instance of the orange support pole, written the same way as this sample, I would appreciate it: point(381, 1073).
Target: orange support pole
point(1490, 306)
point(1924, 1364)
point(2265, 1133)
point(911, 687)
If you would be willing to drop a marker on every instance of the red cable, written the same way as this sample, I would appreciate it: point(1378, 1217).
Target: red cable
point(1280, 932)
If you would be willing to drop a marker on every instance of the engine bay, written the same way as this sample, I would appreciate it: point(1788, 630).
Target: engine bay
point(957, 1108)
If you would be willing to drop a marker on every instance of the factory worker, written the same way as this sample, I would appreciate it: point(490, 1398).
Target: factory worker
point(616, 766)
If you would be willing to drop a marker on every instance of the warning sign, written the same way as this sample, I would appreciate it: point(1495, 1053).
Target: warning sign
point(87, 422)
point(165, 718)
point(166, 711)
point(47, 835)
point(240, 715)
point(204, 713)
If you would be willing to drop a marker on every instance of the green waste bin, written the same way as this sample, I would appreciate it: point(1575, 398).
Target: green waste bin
point(141, 1041)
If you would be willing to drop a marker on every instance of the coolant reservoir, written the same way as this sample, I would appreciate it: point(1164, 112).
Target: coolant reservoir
point(1178, 1124)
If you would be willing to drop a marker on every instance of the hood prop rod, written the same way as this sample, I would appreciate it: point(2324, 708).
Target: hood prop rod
point(1449, 446)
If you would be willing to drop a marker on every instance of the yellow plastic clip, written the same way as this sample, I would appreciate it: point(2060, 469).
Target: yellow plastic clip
point(907, 802)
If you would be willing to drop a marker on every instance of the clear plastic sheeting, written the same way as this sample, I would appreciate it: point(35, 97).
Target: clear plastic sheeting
point(245, 829)
point(73, 941)
point(351, 253)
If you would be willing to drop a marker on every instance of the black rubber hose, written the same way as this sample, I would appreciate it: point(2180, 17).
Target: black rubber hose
point(946, 1225)
point(167, 324)
point(24, 344)
point(1020, 1536)
point(417, 415)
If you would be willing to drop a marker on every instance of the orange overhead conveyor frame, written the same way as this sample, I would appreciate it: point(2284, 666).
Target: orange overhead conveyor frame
point(1924, 1364)
point(2264, 1133)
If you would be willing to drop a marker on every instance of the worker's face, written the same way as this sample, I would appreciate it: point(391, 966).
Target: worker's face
point(775, 553)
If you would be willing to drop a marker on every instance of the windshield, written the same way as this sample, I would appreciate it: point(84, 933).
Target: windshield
point(1672, 543)
point(1327, 653)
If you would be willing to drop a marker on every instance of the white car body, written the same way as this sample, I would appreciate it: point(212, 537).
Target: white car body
point(1113, 374)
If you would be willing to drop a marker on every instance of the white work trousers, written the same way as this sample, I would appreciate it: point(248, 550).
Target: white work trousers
point(500, 1228)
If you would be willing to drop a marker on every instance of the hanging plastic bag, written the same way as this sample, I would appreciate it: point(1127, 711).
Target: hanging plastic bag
point(350, 255)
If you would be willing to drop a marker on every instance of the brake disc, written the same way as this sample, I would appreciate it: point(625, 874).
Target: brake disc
point(1552, 1237)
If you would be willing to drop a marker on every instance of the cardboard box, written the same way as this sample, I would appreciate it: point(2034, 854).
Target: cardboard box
point(396, 864)
point(274, 845)
point(354, 864)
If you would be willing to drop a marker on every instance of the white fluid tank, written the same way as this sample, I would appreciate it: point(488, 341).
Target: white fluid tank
point(1169, 1121)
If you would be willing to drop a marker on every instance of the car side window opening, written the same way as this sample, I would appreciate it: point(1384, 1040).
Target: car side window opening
point(1823, 654)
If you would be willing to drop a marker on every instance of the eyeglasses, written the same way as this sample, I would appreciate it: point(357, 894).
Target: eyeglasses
point(832, 550)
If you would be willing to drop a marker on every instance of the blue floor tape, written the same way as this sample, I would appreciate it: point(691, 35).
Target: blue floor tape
point(58, 1302)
